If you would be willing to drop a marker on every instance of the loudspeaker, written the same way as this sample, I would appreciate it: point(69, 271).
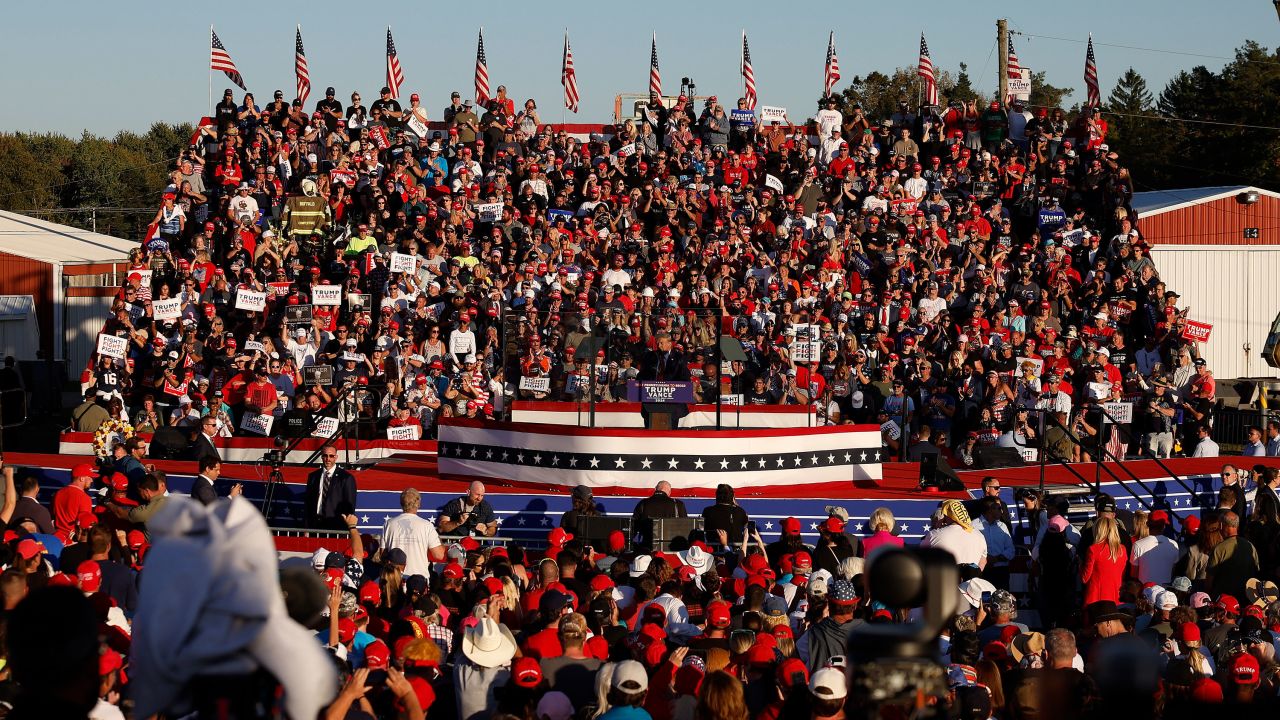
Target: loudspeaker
point(169, 443)
point(594, 530)
point(998, 457)
point(935, 472)
point(677, 530)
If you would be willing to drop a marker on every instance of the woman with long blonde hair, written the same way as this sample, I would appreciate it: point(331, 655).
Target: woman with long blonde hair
point(721, 698)
point(1102, 567)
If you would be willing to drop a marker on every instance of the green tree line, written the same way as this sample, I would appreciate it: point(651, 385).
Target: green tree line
point(45, 172)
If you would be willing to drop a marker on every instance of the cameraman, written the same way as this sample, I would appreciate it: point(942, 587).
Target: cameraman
point(1159, 412)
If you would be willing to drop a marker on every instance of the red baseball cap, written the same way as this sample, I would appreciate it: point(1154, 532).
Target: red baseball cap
point(527, 672)
point(89, 573)
point(83, 470)
point(453, 571)
point(791, 526)
point(346, 630)
point(371, 592)
point(1245, 669)
point(833, 525)
point(377, 656)
point(1228, 604)
point(718, 614)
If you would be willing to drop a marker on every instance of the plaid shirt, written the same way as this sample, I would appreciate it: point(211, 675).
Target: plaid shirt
point(443, 637)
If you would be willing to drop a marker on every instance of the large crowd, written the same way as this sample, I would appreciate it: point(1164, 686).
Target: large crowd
point(938, 271)
point(966, 277)
point(125, 608)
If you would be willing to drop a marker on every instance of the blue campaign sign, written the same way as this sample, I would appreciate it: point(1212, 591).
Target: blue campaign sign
point(742, 117)
point(660, 391)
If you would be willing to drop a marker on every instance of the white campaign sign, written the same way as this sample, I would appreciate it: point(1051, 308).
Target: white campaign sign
point(489, 212)
point(1120, 412)
point(112, 346)
point(418, 127)
point(326, 295)
point(326, 427)
point(250, 300)
point(145, 280)
point(407, 432)
point(627, 150)
point(254, 346)
point(1020, 88)
point(535, 384)
point(769, 113)
point(166, 309)
point(773, 182)
point(402, 263)
point(255, 423)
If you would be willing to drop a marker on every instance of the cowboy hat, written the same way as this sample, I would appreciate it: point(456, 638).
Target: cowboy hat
point(1261, 592)
point(488, 643)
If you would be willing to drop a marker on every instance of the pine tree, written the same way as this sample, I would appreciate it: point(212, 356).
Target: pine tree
point(963, 90)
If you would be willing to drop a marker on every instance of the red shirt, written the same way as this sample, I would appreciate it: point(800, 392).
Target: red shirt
point(260, 393)
point(68, 503)
point(544, 644)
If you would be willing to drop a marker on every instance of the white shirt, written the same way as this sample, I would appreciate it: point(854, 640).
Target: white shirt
point(416, 536)
point(828, 120)
point(462, 345)
point(1205, 448)
point(613, 277)
point(1154, 556)
point(105, 711)
point(969, 548)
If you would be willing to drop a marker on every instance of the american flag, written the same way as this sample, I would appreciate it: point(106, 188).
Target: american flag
point(748, 74)
point(220, 59)
point(569, 77)
point(1015, 68)
point(655, 76)
point(300, 68)
point(831, 75)
point(395, 73)
point(482, 73)
point(926, 74)
point(1091, 76)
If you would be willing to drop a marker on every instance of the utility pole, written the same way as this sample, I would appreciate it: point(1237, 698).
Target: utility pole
point(1002, 43)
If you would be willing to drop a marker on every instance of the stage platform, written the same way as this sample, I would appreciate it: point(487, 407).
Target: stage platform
point(527, 511)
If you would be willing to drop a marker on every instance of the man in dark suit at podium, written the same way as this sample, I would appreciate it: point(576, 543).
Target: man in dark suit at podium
point(665, 362)
point(331, 494)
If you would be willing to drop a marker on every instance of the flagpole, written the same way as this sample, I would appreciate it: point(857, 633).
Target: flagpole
point(208, 71)
point(564, 54)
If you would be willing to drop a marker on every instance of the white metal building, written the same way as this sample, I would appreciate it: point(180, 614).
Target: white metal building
point(1219, 247)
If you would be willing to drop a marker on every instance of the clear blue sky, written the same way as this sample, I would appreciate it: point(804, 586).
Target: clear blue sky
point(72, 65)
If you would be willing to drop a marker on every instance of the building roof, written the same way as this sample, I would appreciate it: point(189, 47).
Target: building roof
point(1155, 202)
point(50, 242)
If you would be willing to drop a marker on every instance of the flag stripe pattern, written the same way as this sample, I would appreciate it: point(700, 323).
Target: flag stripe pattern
point(655, 76)
point(748, 75)
point(482, 73)
point(220, 59)
point(300, 69)
point(831, 73)
point(569, 78)
point(926, 74)
point(395, 73)
point(1015, 68)
point(1091, 76)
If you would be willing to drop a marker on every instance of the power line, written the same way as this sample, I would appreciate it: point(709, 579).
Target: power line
point(1143, 49)
point(1170, 118)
